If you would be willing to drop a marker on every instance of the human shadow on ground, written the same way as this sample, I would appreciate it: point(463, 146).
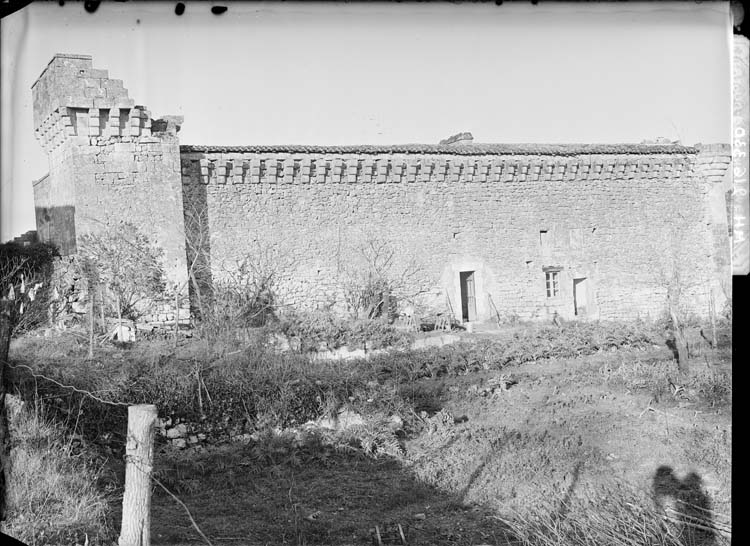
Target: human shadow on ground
point(686, 505)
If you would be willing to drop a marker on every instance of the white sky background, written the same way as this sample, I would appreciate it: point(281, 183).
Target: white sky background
point(381, 74)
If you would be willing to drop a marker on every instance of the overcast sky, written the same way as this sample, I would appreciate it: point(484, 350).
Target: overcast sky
point(381, 74)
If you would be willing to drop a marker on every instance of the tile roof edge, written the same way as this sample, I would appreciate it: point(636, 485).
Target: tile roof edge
point(468, 149)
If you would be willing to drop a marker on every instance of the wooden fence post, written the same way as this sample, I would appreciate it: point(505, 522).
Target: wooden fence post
point(139, 455)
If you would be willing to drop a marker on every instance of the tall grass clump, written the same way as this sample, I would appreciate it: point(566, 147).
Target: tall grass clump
point(52, 491)
point(661, 378)
point(614, 515)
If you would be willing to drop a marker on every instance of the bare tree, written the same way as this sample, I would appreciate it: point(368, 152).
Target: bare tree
point(127, 266)
point(377, 279)
point(197, 243)
point(676, 271)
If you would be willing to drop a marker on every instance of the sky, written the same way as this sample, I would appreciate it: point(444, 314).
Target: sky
point(372, 73)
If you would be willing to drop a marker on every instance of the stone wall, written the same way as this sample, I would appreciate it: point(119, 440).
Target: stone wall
point(619, 217)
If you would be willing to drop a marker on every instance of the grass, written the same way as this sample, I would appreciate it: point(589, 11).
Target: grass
point(615, 515)
point(661, 378)
point(54, 496)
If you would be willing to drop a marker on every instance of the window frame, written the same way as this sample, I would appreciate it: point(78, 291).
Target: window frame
point(552, 282)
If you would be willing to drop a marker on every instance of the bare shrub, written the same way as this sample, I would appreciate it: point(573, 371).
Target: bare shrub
point(378, 278)
point(25, 273)
point(250, 292)
point(126, 263)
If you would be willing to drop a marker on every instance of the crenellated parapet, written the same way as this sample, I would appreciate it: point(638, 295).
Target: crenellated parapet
point(73, 100)
point(441, 163)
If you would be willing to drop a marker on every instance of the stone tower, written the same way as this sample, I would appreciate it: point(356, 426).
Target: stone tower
point(108, 162)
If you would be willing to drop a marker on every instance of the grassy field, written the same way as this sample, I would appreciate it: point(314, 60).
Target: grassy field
point(514, 437)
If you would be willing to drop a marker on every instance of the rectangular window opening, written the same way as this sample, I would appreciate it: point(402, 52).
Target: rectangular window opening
point(552, 283)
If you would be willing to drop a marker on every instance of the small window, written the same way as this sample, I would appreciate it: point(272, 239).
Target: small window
point(552, 279)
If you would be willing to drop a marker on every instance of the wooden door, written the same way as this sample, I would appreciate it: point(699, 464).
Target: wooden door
point(579, 297)
point(468, 296)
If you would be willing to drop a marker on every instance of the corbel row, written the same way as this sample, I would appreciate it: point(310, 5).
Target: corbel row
point(254, 169)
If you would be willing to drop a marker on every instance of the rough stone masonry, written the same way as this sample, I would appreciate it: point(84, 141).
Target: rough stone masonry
point(484, 230)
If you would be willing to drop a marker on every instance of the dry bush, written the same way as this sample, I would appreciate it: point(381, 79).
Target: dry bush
point(636, 375)
point(26, 272)
point(126, 264)
point(377, 278)
point(714, 387)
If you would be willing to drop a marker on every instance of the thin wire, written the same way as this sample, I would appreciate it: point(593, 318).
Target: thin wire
point(150, 475)
point(87, 393)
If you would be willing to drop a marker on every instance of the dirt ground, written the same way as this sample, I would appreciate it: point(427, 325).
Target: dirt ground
point(561, 428)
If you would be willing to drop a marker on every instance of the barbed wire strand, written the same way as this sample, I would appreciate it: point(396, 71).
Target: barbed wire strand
point(131, 459)
point(76, 389)
point(149, 473)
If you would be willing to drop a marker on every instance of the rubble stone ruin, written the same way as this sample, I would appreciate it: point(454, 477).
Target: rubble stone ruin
point(581, 230)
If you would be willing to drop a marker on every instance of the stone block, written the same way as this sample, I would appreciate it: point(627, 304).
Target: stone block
point(96, 73)
point(77, 102)
point(124, 103)
point(103, 102)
